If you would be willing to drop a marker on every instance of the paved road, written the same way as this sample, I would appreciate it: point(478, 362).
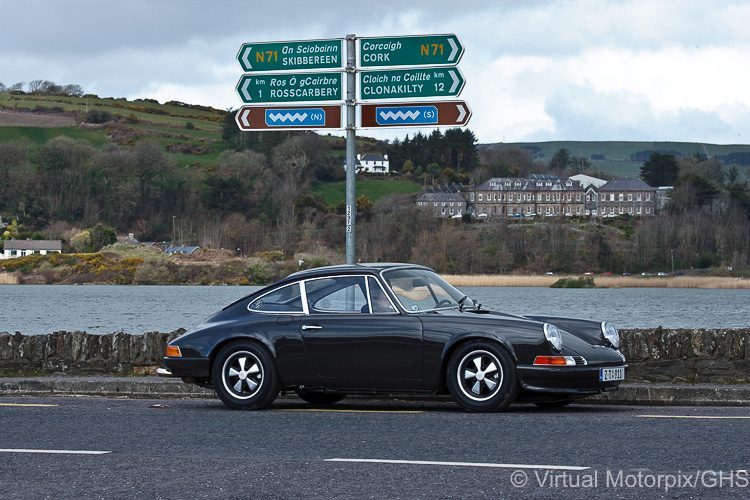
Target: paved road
point(195, 448)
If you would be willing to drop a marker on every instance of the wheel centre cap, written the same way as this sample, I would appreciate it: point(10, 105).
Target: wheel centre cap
point(243, 375)
point(480, 376)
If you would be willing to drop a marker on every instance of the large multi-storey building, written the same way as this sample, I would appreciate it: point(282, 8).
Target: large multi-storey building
point(528, 197)
point(625, 196)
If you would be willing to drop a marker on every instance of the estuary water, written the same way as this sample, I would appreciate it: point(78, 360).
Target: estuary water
point(99, 309)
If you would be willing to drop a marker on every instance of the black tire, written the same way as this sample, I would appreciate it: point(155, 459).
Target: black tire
point(245, 376)
point(318, 397)
point(482, 377)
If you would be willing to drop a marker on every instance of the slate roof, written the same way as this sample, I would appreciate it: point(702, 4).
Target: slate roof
point(626, 184)
point(51, 245)
point(432, 197)
point(550, 183)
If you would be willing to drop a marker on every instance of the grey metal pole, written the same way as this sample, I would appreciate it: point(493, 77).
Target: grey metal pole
point(351, 96)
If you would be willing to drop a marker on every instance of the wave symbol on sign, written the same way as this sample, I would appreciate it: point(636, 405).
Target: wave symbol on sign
point(288, 116)
point(413, 115)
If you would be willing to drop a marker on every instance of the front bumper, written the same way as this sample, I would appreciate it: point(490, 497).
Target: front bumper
point(583, 380)
point(186, 367)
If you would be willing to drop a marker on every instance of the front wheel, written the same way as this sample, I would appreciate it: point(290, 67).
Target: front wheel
point(482, 377)
point(245, 377)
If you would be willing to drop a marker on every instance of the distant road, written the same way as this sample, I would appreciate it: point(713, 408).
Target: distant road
point(123, 448)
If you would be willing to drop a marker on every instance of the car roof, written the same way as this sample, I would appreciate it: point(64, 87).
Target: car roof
point(352, 268)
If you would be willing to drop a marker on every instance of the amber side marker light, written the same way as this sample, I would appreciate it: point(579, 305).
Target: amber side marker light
point(173, 350)
point(555, 360)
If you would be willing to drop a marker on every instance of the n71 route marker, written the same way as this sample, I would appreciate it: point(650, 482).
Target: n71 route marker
point(290, 87)
point(288, 117)
point(419, 50)
point(410, 83)
point(416, 114)
point(294, 55)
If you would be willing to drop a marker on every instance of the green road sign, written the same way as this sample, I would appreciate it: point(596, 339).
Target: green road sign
point(410, 83)
point(295, 55)
point(419, 50)
point(290, 87)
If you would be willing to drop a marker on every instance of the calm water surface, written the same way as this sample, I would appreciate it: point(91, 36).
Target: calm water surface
point(36, 309)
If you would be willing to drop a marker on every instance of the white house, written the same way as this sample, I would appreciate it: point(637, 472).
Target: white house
point(372, 163)
point(22, 248)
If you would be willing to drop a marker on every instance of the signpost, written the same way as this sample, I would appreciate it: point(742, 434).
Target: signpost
point(282, 80)
point(416, 114)
point(290, 87)
point(411, 83)
point(290, 56)
point(288, 118)
point(419, 50)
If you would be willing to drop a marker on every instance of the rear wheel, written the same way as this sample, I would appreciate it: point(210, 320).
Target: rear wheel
point(482, 377)
point(319, 397)
point(245, 376)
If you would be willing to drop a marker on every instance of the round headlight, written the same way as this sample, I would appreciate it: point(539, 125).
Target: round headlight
point(610, 333)
point(553, 336)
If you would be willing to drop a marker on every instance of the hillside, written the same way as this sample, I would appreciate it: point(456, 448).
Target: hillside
point(191, 133)
point(617, 154)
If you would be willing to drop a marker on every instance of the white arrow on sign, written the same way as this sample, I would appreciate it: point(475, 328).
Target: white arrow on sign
point(456, 81)
point(246, 56)
point(454, 50)
point(244, 90)
point(243, 117)
point(461, 112)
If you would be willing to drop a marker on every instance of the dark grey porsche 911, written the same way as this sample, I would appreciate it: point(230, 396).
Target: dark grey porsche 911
point(391, 329)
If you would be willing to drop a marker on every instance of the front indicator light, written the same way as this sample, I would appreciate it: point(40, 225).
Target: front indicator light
point(173, 350)
point(555, 360)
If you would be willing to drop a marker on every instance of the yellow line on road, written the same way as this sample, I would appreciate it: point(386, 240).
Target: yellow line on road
point(348, 411)
point(689, 416)
point(23, 404)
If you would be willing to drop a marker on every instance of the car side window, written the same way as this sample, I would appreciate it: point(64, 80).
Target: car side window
point(378, 299)
point(341, 294)
point(284, 300)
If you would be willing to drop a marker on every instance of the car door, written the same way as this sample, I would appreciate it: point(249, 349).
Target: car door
point(349, 344)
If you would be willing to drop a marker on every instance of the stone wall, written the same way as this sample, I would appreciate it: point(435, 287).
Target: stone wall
point(82, 353)
point(687, 355)
point(654, 355)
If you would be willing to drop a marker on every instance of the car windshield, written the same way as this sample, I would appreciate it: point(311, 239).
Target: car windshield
point(422, 290)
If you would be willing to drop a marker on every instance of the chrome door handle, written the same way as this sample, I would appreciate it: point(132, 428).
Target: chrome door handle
point(312, 327)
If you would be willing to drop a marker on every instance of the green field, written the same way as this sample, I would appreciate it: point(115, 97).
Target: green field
point(166, 124)
point(617, 153)
point(335, 192)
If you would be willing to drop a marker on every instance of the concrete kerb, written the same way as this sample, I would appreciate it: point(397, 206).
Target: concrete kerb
point(160, 388)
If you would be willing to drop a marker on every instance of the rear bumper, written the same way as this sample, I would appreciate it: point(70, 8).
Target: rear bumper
point(583, 380)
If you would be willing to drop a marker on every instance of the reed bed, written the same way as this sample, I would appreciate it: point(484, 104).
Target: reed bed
point(8, 279)
point(503, 280)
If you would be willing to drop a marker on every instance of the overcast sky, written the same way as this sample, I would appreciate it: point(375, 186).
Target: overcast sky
point(535, 70)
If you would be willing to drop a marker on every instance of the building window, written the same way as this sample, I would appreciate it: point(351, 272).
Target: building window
point(472, 196)
point(639, 196)
point(630, 196)
point(604, 197)
point(578, 196)
point(648, 196)
point(548, 196)
point(648, 210)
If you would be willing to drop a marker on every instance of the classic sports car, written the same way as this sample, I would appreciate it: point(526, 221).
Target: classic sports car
point(390, 329)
